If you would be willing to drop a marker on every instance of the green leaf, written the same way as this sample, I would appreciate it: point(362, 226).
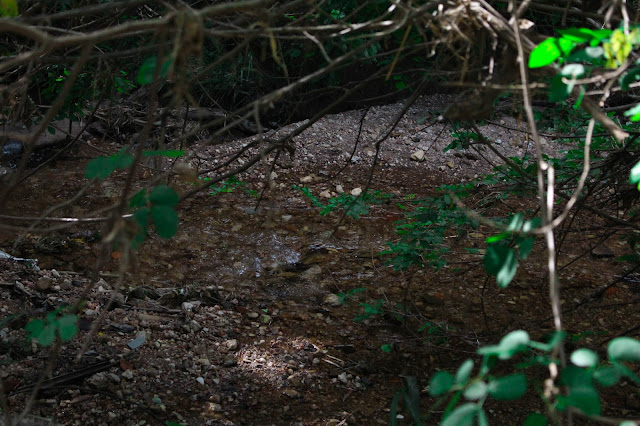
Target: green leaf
point(67, 327)
point(577, 35)
point(440, 383)
point(501, 262)
point(590, 54)
point(463, 415)
point(141, 216)
point(572, 70)
point(122, 160)
point(412, 398)
point(633, 112)
point(476, 391)
point(482, 417)
point(509, 387)
point(34, 328)
point(624, 349)
point(47, 336)
point(148, 69)
point(629, 77)
point(386, 348)
point(393, 411)
point(545, 53)
point(559, 90)
point(535, 419)
point(530, 225)
point(138, 200)
point(464, 372)
point(164, 195)
point(99, 168)
point(582, 394)
point(516, 222)
point(169, 153)
point(585, 399)
point(166, 220)
point(584, 358)
point(8, 8)
point(525, 246)
point(607, 376)
point(511, 344)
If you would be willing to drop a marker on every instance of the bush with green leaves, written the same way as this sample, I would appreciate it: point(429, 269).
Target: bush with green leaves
point(576, 385)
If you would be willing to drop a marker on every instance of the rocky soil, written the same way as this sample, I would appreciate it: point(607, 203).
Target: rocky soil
point(246, 316)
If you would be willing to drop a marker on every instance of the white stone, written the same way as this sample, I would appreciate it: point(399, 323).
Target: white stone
point(418, 155)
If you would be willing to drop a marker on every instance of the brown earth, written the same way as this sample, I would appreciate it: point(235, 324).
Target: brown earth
point(237, 320)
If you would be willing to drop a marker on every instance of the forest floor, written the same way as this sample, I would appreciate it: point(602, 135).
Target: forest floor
point(246, 316)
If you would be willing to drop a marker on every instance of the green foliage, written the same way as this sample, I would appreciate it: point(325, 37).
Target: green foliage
point(343, 297)
point(64, 326)
point(8, 8)
point(580, 378)
point(354, 205)
point(158, 205)
point(423, 230)
point(230, 185)
point(148, 70)
point(506, 248)
point(101, 167)
point(54, 78)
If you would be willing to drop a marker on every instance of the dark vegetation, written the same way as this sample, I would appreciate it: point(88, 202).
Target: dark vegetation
point(166, 80)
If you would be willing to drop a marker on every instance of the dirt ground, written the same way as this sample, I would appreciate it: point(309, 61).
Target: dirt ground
point(238, 319)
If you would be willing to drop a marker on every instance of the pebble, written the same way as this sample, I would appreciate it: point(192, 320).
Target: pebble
point(232, 344)
point(331, 300)
point(229, 362)
point(44, 283)
point(291, 393)
point(200, 380)
point(418, 155)
point(339, 189)
point(253, 315)
point(356, 191)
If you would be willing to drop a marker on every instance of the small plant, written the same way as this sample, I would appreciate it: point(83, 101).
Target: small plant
point(230, 185)
point(354, 205)
point(422, 232)
point(344, 297)
point(56, 323)
point(580, 378)
point(159, 205)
